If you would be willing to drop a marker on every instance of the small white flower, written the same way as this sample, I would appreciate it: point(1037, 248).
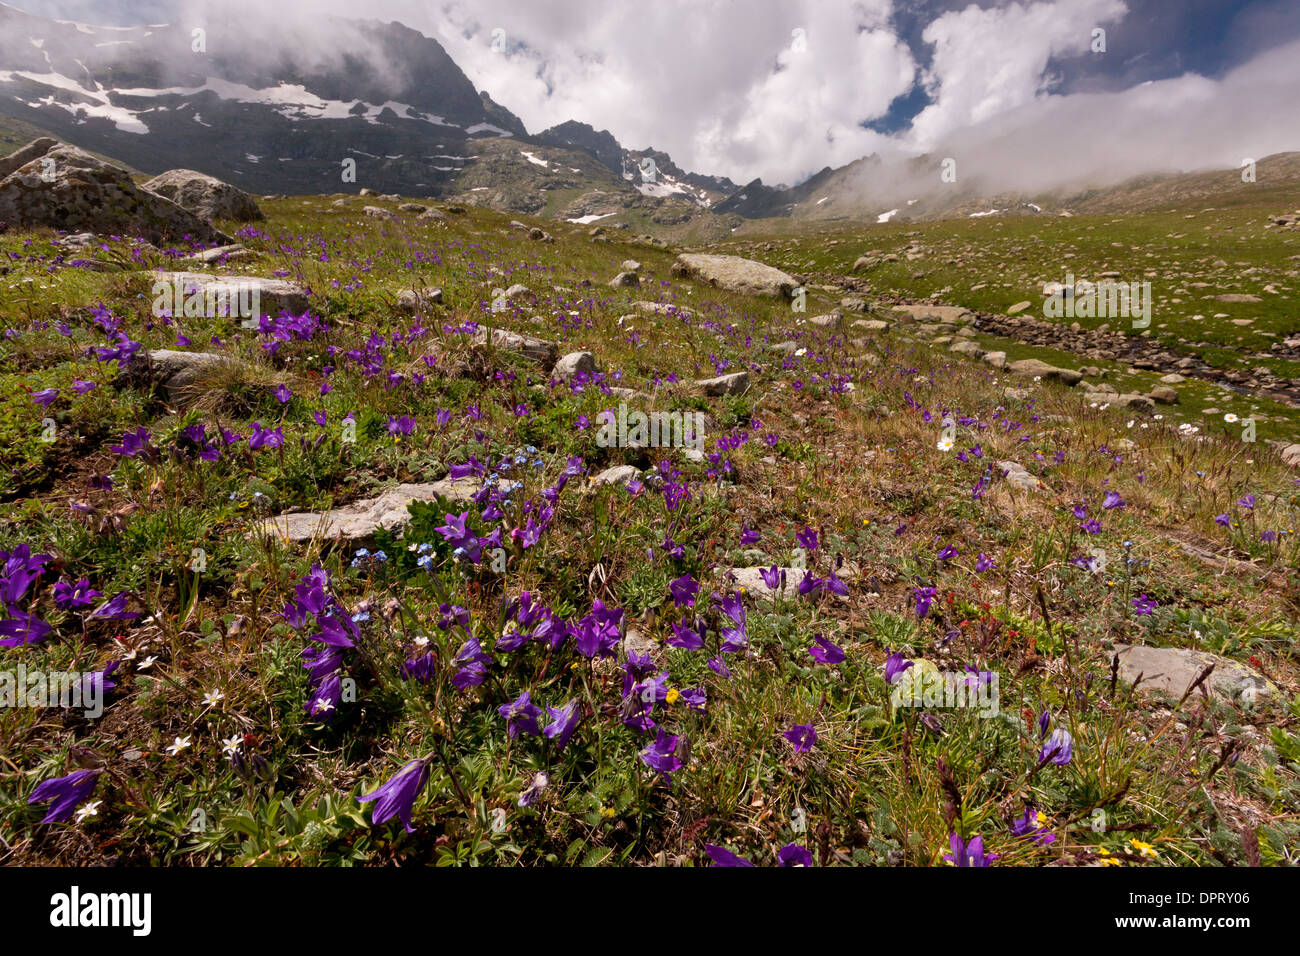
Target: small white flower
point(230, 746)
point(91, 809)
point(421, 641)
point(181, 743)
point(1229, 417)
point(1130, 423)
point(213, 697)
point(147, 663)
point(800, 351)
point(944, 444)
point(324, 705)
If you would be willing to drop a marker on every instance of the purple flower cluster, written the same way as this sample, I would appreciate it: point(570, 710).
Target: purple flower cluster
point(337, 632)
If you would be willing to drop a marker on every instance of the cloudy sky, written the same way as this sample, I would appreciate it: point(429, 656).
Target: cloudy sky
point(779, 89)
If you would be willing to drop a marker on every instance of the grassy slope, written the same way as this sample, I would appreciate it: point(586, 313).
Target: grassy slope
point(1189, 256)
point(860, 464)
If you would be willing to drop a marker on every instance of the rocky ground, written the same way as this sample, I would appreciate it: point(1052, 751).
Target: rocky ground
point(372, 578)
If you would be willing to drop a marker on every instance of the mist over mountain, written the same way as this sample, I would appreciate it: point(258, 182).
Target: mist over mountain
point(282, 108)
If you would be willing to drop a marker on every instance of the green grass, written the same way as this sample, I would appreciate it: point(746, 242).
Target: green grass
point(883, 785)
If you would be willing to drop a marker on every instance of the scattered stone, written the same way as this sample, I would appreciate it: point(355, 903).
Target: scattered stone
point(938, 313)
point(377, 212)
point(734, 274)
point(413, 207)
point(1019, 307)
point(626, 280)
point(736, 383)
point(663, 308)
point(359, 520)
point(996, 359)
point(230, 253)
point(1237, 297)
point(1131, 400)
point(205, 196)
point(271, 296)
point(1171, 670)
point(1173, 378)
point(1018, 477)
point(179, 372)
point(617, 475)
point(750, 581)
point(871, 325)
point(573, 363)
point(1035, 368)
point(833, 321)
point(538, 350)
point(1164, 395)
point(413, 301)
point(637, 643)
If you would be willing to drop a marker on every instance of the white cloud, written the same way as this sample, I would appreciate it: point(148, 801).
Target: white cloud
point(718, 85)
point(988, 61)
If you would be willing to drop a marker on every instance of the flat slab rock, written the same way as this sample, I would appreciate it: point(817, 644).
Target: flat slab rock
point(1018, 476)
point(228, 253)
point(178, 371)
point(1036, 368)
point(359, 520)
point(735, 383)
point(750, 580)
point(941, 313)
point(617, 475)
point(735, 274)
point(1171, 670)
point(536, 349)
point(272, 295)
point(664, 308)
